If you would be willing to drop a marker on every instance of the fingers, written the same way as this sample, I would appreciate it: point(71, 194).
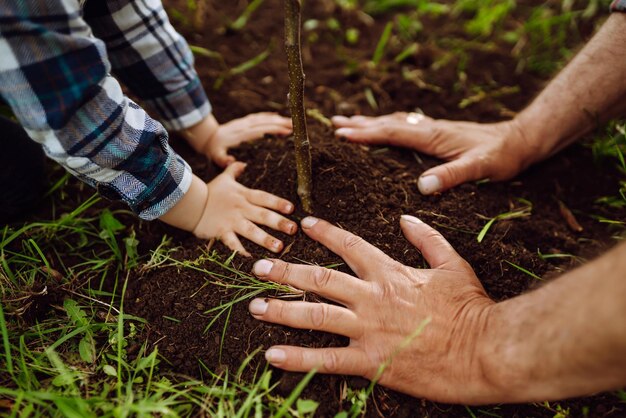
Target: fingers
point(270, 201)
point(307, 315)
point(349, 122)
point(328, 283)
point(231, 241)
point(221, 158)
point(258, 131)
point(390, 133)
point(249, 230)
point(347, 360)
point(266, 217)
point(448, 175)
point(436, 250)
point(235, 170)
point(269, 118)
point(363, 258)
point(387, 130)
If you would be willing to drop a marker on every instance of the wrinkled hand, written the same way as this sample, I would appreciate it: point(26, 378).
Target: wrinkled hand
point(474, 151)
point(381, 311)
point(241, 130)
point(233, 209)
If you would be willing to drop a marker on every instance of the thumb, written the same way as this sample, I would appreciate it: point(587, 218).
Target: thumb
point(235, 169)
point(448, 175)
point(436, 250)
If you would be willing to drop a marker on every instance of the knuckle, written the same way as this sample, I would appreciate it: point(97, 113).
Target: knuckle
point(332, 363)
point(250, 229)
point(351, 241)
point(277, 311)
point(385, 292)
point(452, 172)
point(321, 277)
point(319, 315)
point(285, 269)
point(265, 217)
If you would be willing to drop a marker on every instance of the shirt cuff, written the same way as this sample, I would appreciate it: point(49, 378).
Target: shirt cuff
point(183, 108)
point(168, 191)
point(618, 6)
point(155, 199)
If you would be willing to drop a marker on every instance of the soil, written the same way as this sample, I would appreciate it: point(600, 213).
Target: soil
point(365, 190)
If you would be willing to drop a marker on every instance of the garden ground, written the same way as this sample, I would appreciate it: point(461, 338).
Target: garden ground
point(72, 345)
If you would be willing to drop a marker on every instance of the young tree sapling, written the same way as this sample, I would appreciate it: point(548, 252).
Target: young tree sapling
point(296, 101)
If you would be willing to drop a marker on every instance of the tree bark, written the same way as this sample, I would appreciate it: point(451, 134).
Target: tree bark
point(296, 101)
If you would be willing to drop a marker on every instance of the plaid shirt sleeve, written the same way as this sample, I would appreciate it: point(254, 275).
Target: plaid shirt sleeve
point(618, 6)
point(150, 58)
point(55, 76)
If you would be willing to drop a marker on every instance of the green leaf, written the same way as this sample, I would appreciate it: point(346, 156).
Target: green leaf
point(110, 370)
point(109, 223)
point(485, 229)
point(64, 379)
point(74, 312)
point(130, 244)
point(87, 349)
point(306, 406)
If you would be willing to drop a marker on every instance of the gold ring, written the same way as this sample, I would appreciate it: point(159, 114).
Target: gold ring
point(414, 118)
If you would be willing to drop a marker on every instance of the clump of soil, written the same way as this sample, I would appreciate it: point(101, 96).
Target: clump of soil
point(365, 190)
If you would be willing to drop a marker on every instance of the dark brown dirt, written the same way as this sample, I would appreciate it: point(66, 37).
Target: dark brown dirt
point(365, 190)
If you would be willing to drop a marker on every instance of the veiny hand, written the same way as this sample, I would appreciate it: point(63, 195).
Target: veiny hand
point(382, 309)
point(245, 129)
point(475, 151)
point(233, 209)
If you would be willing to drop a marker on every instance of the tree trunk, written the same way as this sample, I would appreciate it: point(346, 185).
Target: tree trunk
point(296, 101)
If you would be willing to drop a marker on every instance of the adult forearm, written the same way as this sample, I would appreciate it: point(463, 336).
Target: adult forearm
point(590, 90)
point(565, 339)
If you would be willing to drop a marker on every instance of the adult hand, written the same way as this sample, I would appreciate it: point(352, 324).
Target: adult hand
point(213, 140)
point(474, 151)
point(232, 209)
point(382, 310)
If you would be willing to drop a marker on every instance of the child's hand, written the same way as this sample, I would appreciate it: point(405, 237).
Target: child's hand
point(232, 209)
point(213, 140)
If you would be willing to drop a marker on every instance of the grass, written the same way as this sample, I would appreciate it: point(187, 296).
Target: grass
point(81, 358)
point(521, 212)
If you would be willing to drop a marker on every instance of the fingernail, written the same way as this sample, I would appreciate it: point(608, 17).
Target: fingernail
point(411, 219)
point(277, 245)
point(309, 222)
point(262, 267)
point(429, 184)
point(275, 355)
point(344, 132)
point(288, 207)
point(258, 307)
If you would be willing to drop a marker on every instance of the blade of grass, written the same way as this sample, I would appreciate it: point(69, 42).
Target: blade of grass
point(242, 20)
point(382, 44)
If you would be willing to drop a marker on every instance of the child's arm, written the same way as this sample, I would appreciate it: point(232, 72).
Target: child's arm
point(156, 64)
point(224, 209)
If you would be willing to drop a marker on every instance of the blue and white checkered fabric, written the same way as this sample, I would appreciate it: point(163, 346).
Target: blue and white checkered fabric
point(56, 68)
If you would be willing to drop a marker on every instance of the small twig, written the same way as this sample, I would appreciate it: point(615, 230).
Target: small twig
point(569, 217)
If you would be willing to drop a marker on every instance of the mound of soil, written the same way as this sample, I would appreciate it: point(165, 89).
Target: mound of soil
point(365, 190)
